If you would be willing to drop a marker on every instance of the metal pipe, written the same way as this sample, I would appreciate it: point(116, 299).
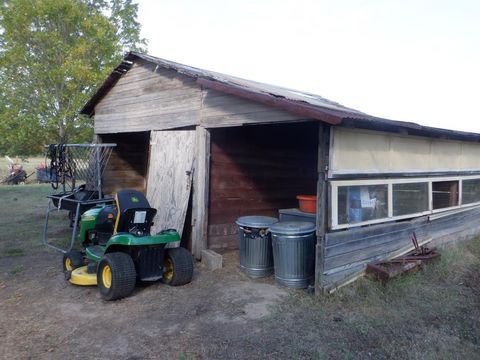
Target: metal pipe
point(84, 145)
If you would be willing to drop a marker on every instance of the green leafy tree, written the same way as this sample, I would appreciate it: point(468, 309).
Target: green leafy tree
point(53, 53)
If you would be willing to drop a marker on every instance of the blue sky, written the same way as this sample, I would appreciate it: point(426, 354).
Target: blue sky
point(404, 60)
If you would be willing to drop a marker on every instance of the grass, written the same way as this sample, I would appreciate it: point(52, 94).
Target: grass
point(17, 269)
point(22, 216)
point(12, 253)
point(428, 315)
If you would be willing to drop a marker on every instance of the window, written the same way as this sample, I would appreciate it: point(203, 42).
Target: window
point(365, 202)
point(444, 194)
point(470, 191)
point(410, 198)
point(362, 203)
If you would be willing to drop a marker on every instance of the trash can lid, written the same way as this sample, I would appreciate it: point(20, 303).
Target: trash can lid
point(260, 222)
point(292, 227)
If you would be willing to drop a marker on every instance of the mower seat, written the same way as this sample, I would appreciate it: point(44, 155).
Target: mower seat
point(135, 215)
point(105, 223)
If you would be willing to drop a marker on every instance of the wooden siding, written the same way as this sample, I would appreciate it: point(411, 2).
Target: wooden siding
point(256, 171)
point(322, 203)
point(348, 252)
point(199, 219)
point(127, 167)
point(149, 98)
point(222, 110)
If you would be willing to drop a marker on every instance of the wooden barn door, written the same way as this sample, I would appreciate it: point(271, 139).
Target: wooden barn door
point(170, 177)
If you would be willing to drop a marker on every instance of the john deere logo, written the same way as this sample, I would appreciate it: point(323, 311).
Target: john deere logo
point(135, 199)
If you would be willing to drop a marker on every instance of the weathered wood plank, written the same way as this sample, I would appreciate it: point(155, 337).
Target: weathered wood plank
point(227, 110)
point(340, 277)
point(140, 110)
point(273, 116)
point(170, 176)
point(143, 100)
point(137, 77)
point(354, 234)
point(322, 204)
point(366, 244)
point(239, 106)
point(222, 242)
point(223, 229)
point(122, 123)
point(153, 98)
point(393, 243)
point(201, 192)
point(141, 88)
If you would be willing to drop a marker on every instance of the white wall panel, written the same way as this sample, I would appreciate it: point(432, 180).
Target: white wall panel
point(356, 151)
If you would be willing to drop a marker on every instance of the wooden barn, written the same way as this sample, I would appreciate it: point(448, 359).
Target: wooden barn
point(207, 148)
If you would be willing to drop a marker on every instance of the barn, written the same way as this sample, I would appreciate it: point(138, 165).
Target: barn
point(207, 148)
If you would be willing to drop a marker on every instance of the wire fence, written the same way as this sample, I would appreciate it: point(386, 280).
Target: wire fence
point(72, 165)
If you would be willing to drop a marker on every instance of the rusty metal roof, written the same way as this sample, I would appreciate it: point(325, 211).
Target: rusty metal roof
point(304, 103)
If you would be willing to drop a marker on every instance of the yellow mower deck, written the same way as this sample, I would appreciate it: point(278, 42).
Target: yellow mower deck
point(80, 276)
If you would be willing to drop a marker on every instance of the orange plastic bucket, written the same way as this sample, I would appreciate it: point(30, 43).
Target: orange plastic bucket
point(307, 203)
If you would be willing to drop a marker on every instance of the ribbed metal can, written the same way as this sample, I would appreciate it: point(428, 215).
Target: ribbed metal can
point(256, 256)
point(293, 245)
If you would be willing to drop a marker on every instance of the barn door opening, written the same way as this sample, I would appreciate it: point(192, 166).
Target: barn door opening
point(170, 177)
point(127, 168)
point(258, 170)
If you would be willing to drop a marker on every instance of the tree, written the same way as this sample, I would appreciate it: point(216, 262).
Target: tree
point(53, 53)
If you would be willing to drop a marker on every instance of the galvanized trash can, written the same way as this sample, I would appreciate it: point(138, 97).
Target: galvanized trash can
point(256, 258)
point(294, 253)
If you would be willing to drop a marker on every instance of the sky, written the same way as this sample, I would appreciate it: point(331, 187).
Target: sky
point(404, 60)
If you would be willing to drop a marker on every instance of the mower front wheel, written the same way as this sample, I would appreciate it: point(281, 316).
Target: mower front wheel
point(178, 267)
point(72, 260)
point(116, 276)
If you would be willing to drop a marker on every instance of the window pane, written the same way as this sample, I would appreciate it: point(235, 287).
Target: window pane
point(410, 198)
point(362, 203)
point(444, 194)
point(470, 191)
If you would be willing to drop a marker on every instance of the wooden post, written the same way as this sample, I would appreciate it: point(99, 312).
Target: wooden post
point(201, 183)
point(322, 204)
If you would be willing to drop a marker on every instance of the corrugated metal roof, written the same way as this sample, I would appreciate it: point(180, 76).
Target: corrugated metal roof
point(309, 104)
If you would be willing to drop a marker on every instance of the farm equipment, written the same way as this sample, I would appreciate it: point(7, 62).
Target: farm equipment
point(119, 249)
point(16, 174)
point(76, 172)
point(405, 262)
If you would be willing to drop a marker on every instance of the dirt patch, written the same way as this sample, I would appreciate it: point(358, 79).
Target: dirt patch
point(56, 319)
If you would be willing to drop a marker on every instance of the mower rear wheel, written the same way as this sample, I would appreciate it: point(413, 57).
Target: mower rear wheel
point(116, 276)
point(72, 260)
point(178, 265)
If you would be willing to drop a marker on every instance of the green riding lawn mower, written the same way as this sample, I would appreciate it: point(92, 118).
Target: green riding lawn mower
point(118, 249)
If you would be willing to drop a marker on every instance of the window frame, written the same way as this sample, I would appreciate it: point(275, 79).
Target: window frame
point(335, 184)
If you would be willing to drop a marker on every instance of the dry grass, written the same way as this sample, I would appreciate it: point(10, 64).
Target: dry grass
point(433, 314)
point(22, 215)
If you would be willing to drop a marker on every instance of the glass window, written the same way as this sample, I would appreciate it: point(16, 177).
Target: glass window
point(444, 194)
point(410, 198)
point(470, 191)
point(362, 203)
